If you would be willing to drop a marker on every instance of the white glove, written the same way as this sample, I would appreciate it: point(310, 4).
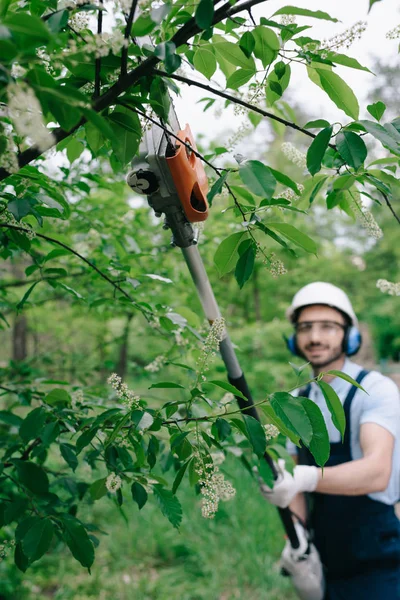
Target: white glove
point(304, 479)
point(305, 569)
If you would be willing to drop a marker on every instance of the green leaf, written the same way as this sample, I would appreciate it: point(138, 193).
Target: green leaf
point(68, 454)
point(256, 435)
point(98, 489)
point(38, 539)
point(205, 62)
point(139, 494)
point(57, 21)
point(226, 255)
point(32, 476)
point(159, 98)
point(167, 384)
point(316, 151)
point(32, 425)
point(204, 14)
point(380, 133)
point(371, 3)
point(25, 297)
point(319, 445)
point(245, 265)
point(317, 124)
point(318, 186)
point(335, 406)
point(294, 235)
point(227, 387)
point(285, 180)
point(277, 82)
point(247, 43)
point(339, 92)
point(221, 429)
point(351, 148)
point(169, 504)
point(127, 134)
point(275, 420)
point(217, 187)
point(74, 149)
point(57, 397)
point(21, 561)
point(127, 120)
point(29, 30)
point(84, 439)
point(239, 78)
point(143, 26)
point(258, 178)
point(233, 53)
point(78, 541)
point(346, 61)
point(304, 12)
point(179, 476)
point(266, 45)
point(292, 413)
point(266, 473)
point(346, 378)
point(10, 418)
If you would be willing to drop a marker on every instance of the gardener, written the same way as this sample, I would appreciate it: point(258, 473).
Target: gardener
point(352, 516)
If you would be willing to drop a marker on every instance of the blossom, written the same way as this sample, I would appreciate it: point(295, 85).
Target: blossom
point(387, 287)
point(367, 219)
point(288, 20)
point(113, 482)
point(156, 364)
point(274, 265)
point(9, 158)
point(26, 114)
point(129, 398)
point(214, 488)
point(8, 217)
point(215, 336)
point(295, 156)
point(393, 34)
point(346, 38)
point(271, 431)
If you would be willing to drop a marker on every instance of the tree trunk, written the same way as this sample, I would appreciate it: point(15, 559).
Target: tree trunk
point(123, 351)
point(19, 338)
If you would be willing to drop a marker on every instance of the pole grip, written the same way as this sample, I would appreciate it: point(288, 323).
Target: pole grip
point(248, 408)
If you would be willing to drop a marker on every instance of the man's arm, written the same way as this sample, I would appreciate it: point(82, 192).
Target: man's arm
point(369, 474)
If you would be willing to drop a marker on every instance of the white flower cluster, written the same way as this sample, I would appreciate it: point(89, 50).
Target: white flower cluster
point(394, 33)
point(77, 398)
point(99, 44)
point(113, 482)
point(227, 398)
point(295, 156)
point(9, 158)
point(6, 547)
point(214, 488)
point(271, 431)
point(211, 344)
point(275, 265)
point(7, 217)
point(241, 132)
point(79, 21)
point(156, 364)
point(288, 20)
point(290, 194)
point(123, 392)
point(179, 339)
point(26, 114)
point(346, 38)
point(387, 287)
point(367, 219)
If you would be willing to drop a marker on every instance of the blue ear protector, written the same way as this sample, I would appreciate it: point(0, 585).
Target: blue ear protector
point(351, 342)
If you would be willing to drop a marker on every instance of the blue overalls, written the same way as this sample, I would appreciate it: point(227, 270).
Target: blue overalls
point(358, 538)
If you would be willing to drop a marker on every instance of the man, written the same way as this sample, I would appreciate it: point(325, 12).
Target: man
point(352, 518)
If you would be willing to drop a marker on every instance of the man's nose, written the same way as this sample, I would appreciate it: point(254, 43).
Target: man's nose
point(315, 335)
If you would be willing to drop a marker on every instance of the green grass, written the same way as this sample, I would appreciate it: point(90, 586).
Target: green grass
point(231, 557)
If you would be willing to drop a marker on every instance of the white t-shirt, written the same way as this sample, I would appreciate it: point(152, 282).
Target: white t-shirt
point(381, 405)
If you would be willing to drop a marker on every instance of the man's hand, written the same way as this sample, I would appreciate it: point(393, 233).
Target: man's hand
point(304, 479)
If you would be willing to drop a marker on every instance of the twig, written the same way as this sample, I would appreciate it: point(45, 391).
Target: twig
point(145, 312)
point(97, 80)
point(127, 35)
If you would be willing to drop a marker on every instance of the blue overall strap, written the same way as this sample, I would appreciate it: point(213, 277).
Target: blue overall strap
point(347, 407)
point(305, 391)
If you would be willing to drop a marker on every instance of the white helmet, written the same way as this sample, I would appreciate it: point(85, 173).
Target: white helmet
point(321, 292)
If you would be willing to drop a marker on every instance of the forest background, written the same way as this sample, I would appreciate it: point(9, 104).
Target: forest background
point(63, 328)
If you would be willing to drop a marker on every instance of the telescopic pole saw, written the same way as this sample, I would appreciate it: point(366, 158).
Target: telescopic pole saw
point(172, 177)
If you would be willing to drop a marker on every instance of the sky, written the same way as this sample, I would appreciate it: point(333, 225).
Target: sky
point(384, 15)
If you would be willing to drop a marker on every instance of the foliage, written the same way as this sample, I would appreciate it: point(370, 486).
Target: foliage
point(69, 443)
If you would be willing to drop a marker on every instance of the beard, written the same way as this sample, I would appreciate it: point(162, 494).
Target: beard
point(333, 355)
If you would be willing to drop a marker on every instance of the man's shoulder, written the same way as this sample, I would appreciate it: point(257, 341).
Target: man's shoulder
point(377, 384)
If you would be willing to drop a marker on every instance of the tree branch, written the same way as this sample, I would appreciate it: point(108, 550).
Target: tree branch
point(124, 82)
point(145, 312)
point(98, 60)
point(235, 100)
point(127, 35)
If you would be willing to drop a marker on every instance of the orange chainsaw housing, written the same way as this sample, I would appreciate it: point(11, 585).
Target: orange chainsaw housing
point(189, 178)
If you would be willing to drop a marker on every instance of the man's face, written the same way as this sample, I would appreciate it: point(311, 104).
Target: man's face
point(320, 330)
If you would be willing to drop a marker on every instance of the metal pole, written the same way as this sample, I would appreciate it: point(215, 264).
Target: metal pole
point(235, 374)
